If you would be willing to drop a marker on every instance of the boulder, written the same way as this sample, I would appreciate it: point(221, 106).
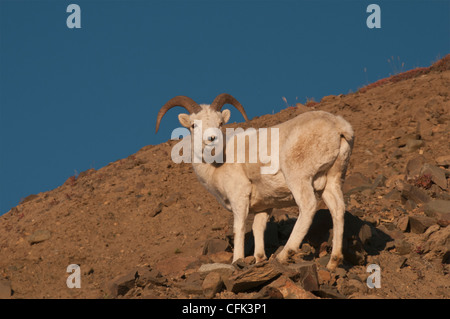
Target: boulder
point(413, 145)
point(249, 279)
point(403, 223)
point(356, 182)
point(414, 166)
point(438, 245)
point(410, 192)
point(419, 224)
point(439, 209)
point(437, 175)
point(222, 257)
point(225, 270)
point(289, 290)
point(215, 245)
point(39, 236)
point(212, 284)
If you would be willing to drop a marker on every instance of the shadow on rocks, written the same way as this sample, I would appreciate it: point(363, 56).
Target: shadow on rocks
point(360, 238)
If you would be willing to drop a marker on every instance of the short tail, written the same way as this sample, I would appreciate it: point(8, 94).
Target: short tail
point(345, 129)
point(347, 139)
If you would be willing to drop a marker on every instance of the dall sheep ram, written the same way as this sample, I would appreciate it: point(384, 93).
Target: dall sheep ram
point(314, 151)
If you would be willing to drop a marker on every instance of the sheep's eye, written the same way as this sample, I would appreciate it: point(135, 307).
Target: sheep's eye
point(194, 125)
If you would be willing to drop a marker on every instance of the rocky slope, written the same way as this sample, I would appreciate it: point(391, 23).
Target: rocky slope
point(143, 227)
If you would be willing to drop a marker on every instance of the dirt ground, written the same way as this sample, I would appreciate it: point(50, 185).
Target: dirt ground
point(146, 212)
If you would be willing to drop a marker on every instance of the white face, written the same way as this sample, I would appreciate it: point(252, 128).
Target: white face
point(209, 121)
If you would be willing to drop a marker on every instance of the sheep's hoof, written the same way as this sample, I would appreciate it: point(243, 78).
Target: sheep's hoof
point(260, 257)
point(334, 262)
point(285, 254)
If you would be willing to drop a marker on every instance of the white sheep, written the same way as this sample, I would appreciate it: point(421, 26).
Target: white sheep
point(314, 150)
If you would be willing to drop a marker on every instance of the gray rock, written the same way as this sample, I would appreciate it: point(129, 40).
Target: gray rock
point(323, 261)
point(410, 205)
point(355, 183)
point(418, 224)
point(413, 145)
point(402, 247)
point(437, 175)
point(436, 207)
point(224, 269)
point(404, 138)
point(410, 192)
point(39, 236)
point(438, 245)
point(403, 223)
point(430, 230)
point(215, 245)
point(212, 284)
point(414, 166)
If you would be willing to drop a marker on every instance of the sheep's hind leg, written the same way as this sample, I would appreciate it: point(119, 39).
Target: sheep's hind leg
point(305, 198)
point(258, 228)
point(334, 199)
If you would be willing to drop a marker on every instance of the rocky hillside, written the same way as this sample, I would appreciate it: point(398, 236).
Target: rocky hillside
point(143, 227)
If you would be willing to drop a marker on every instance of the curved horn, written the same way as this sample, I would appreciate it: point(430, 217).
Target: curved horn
point(189, 104)
point(225, 98)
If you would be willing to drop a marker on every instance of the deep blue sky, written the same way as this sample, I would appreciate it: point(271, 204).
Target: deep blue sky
point(74, 99)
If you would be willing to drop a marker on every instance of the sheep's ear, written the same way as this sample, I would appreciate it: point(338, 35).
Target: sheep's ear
point(184, 120)
point(226, 115)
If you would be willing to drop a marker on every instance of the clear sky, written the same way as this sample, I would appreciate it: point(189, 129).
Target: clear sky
point(74, 99)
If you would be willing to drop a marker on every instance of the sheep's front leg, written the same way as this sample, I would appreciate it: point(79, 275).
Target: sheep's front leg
point(259, 226)
point(240, 215)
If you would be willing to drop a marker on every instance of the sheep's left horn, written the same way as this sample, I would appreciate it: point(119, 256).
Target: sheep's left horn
point(225, 98)
point(189, 104)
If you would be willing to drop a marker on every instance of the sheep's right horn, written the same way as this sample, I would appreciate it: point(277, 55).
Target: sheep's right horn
point(189, 104)
point(225, 98)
